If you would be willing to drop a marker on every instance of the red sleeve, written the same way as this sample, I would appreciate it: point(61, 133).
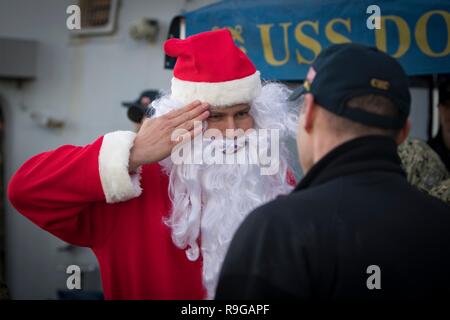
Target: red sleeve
point(65, 191)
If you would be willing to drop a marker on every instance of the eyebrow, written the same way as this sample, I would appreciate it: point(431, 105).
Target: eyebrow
point(247, 108)
point(218, 113)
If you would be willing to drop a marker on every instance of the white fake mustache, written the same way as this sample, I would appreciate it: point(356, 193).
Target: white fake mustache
point(227, 145)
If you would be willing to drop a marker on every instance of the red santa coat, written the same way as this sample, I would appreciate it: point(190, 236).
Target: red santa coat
point(86, 197)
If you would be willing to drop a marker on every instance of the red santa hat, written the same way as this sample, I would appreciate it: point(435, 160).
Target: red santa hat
point(212, 69)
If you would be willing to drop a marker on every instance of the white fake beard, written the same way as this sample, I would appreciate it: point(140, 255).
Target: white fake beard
point(211, 201)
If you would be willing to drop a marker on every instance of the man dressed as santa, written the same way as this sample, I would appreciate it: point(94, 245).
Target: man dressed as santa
point(160, 228)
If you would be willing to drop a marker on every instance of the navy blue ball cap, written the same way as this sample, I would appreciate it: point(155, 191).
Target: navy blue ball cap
point(137, 111)
point(345, 71)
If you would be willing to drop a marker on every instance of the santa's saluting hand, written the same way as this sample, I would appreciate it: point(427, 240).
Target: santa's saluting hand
point(154, 140)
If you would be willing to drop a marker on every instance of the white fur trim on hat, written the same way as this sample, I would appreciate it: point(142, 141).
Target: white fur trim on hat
point(218, 94)
point(118, 185)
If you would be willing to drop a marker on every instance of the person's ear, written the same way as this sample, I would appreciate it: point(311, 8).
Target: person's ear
point(309, 112)
point(404, 132)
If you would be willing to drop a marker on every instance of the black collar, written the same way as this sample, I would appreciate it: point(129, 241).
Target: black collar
point(364, 154)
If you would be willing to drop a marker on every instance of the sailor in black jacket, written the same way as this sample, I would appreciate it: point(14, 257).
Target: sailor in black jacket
point(353, 228)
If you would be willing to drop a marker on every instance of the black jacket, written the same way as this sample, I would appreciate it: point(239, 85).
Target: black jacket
point(352, 210)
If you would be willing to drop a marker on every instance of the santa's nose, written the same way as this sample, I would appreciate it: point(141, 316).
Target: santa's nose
point(231, 126)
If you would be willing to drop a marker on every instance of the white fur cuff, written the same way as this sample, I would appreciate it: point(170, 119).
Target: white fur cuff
point(118, 185)
point(218, 94)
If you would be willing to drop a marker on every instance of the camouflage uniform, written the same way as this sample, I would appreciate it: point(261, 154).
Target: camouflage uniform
point(423, 167)
point(442, 191)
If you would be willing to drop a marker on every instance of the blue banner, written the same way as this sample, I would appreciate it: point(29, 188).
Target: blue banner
point(283, 37)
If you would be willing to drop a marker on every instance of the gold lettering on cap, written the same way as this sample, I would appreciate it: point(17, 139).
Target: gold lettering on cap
point(307, 85)
point(379, 84)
